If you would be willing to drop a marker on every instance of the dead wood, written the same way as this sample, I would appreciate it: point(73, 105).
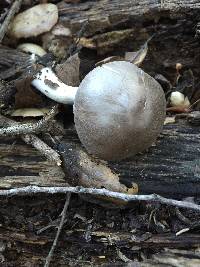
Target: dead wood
point(170, 168)
point(14, 9)
point(117, 27)
point(102, 242)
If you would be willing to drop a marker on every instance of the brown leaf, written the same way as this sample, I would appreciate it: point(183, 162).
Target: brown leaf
point(169, 120)
point(68, 71)
point(134, 57)
point(25, 96)
point(108, 59)
point(138, 57)
point(106, 42)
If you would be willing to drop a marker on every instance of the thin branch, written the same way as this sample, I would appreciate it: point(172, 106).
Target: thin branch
point(29, 190)
point(53, 223)
point(73, 47)
point(62, 221)
point(14, 9)
point(36, 142)
point(42, 147)
point(29, 128)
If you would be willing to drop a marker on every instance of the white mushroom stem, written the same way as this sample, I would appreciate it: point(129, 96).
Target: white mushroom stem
point(48, 83)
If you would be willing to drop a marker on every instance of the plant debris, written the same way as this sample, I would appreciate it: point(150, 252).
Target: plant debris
point(63, 207)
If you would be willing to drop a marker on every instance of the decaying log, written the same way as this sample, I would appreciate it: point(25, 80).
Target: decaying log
point(104, 15)
point(169, 168)
point(100, 241)
point(120, 26)
point(20, 164)
point(167, 258)
point(119, 239)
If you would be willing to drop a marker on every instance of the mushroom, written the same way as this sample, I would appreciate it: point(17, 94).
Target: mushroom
point(177, 99)
point(32, 49)
point(119, 110)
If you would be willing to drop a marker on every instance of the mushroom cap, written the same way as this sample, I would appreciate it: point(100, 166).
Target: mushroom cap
point(119, 110)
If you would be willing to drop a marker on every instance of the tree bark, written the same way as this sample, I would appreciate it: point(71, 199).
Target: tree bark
point(104, 15)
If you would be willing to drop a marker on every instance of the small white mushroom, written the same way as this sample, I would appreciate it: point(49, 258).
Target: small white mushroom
point(119, 110)
point(177, 99)
point(32, 49)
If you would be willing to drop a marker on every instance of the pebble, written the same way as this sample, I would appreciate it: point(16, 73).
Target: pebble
point(34, 21)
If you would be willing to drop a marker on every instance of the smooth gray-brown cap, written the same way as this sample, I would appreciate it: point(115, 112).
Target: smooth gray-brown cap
point(119, 110)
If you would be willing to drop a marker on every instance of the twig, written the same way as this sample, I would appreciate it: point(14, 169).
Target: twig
point(14, 9)
point(29, 128)
point(182, 218)
point(73, 47)
point(29, 190)
point(43, 148)
point(50, 225)
point(62, 221)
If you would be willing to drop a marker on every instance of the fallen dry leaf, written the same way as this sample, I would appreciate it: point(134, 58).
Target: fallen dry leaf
point(138, 57)
point(169, 120)
point(25, 96)
point(105, 42)
point(108, 59)
point(68, 71)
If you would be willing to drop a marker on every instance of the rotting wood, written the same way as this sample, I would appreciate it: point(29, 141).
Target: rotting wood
point(115, 238)
point(170, 168)
point(14, 9)
point(175, 22)
point(103, 15)
point(20, 164)
point(31, 244)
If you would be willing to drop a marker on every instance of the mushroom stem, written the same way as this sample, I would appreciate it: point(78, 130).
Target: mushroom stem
point(48, 83)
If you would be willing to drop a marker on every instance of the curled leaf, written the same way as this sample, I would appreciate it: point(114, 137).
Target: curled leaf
point(107, 60)
point(138, 57)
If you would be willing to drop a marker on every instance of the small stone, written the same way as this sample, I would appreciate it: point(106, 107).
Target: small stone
point(34, 21)
point(60, 30)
